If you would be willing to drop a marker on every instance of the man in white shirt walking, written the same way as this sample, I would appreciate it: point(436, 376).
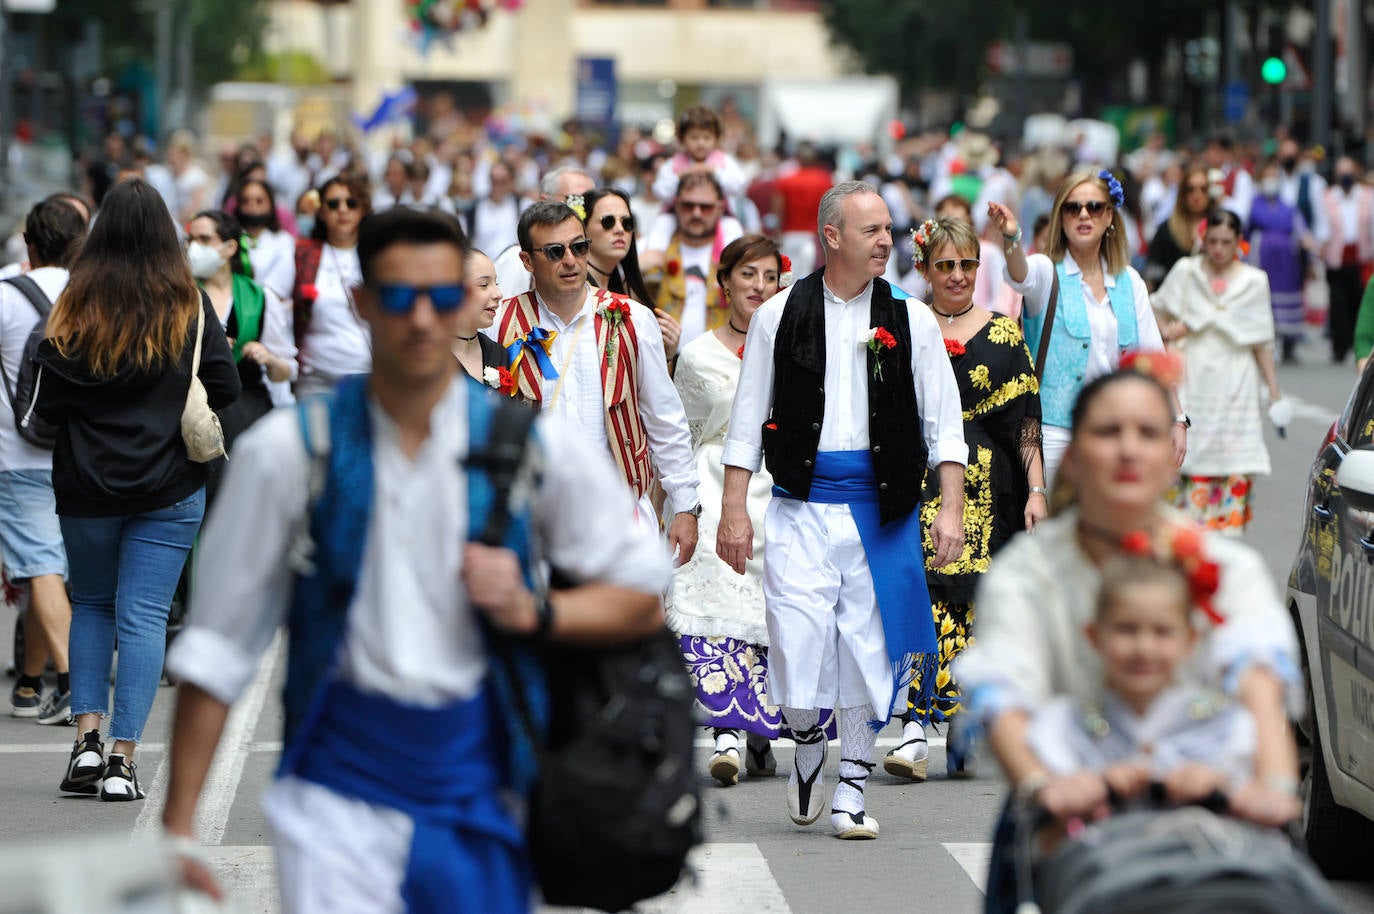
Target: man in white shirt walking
point(847, 393)
point(30, 536)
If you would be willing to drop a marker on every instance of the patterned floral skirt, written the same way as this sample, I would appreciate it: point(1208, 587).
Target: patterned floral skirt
point(1219, 503)
point(731, 681)
point(953, 632)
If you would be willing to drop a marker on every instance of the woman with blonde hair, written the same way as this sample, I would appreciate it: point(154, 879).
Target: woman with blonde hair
point(1178, 237)
point(1083, 302)
point(113, 375)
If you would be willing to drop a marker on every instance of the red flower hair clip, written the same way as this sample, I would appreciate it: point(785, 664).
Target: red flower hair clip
point(1164, 367)
point(1181, 545)
point(954, 348)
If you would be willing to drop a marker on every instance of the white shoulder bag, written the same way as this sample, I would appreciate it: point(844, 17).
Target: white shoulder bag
point(200, 427)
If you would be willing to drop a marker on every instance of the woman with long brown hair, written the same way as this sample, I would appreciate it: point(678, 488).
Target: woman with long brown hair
point(113, 375)
point(332, 339)
point(1178, 237)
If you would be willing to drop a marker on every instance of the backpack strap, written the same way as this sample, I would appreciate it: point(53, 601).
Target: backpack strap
point(313, 415)
point(41, 303)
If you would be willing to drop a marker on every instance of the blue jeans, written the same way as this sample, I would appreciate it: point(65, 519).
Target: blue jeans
point(124, 572)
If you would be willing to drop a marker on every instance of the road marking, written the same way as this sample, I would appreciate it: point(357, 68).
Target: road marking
point(974, 860)
point(222, 781)
point(27, 748)
point(1323, 415)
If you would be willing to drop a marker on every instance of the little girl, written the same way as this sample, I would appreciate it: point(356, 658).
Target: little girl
point(1146, 725)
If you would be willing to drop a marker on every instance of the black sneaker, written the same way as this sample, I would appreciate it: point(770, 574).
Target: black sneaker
point(56, 709)
point(25, 701)
point(120, 783)
point(87, 765)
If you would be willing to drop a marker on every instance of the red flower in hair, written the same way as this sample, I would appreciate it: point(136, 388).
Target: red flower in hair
point(309, 292)
point(786, 263)
point(1164, 367)
point(672, 267)
point(954, 348)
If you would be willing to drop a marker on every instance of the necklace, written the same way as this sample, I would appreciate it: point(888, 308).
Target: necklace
point(467, 339)
point(744, 332)
point(598, 269)
point(949, 318)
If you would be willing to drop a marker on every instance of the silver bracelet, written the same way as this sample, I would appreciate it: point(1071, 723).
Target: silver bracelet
point(1039, 490)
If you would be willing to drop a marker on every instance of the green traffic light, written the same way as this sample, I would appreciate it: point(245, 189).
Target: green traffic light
point(1273, 71)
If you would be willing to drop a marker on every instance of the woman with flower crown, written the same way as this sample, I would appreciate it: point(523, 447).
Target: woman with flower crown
point(1004, 485)
point(717, 614)
point(1029, 643)
point(1084, 304)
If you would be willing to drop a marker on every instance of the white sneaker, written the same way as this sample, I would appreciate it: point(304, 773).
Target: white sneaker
point(911, 759)
point(853, 826)
point(806, 796)
point(121, 781)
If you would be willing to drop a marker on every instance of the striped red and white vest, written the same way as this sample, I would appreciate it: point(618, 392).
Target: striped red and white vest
point(618, 345)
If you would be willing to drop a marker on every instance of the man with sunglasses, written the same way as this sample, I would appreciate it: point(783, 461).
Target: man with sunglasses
point(687, 296)
point(387, 616)
point(846, 392)
point(597, 358)
point(566, 184)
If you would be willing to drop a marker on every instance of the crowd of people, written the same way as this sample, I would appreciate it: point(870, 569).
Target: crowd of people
point(866, 440)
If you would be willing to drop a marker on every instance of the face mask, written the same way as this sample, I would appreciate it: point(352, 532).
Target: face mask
point(1347, 181)
point(305, 225)
point(1270, 187)
point(255, 221)
point(1289, 163)
point(205, 260)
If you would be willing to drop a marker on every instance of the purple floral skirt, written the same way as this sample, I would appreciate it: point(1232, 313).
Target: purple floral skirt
point(730, 678)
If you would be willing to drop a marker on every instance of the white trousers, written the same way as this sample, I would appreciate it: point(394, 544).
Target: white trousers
point(1054, 441)
point(826, 644)
point(336, 854)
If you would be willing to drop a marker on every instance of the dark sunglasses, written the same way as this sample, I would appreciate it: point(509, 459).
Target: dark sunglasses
point(626, 222)
point(335, 203)
point(400, 299)
point(693, 206)
point(555, 252)
point(967, 264)
point(1094, 207)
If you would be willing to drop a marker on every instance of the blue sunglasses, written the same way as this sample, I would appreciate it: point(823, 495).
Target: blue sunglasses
point(398, 299)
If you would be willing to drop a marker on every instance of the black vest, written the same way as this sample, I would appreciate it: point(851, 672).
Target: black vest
point(793, 430)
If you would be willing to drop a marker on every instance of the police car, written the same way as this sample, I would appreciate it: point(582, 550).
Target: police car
point(1331, 597)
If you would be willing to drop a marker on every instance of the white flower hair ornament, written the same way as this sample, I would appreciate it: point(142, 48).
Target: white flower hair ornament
point(920, 239)
point(578, 204)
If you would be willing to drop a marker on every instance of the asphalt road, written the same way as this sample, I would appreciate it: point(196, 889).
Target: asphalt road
point(934, 835)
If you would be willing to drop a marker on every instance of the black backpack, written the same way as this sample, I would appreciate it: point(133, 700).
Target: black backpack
point(616, 806)
point(24, 391)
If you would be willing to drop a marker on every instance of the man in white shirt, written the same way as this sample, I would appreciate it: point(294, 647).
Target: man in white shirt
point(568, 184)
point(583, 357)
point(30, 536)
point(402, 643)
point(847, 392)
point(492, 222)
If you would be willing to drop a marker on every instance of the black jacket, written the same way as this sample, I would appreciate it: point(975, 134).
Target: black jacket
point(119, 447)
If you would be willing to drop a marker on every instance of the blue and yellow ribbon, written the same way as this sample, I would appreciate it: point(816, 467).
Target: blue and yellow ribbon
point(537, 342)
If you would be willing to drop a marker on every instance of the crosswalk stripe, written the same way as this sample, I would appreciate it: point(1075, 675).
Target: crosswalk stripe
point(973, 858)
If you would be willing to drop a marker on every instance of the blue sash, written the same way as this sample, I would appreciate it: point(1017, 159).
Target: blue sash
point(895, 560)
point(441, 767)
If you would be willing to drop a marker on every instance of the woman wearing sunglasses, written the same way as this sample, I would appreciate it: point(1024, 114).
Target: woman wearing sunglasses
point(613, 263)
point(1100, 306)
point(333, 340)
point(1004, 483)
point(1179, 237)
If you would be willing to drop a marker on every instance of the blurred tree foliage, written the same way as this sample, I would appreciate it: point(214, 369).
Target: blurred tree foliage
point(225, 34)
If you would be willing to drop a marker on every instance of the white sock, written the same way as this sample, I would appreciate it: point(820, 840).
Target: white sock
point(803, 722)
point(726, 739)
point(913, 729)
point(857, 740)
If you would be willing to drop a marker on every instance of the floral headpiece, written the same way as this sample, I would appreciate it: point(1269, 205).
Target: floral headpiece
point(1165, 367)
point(1114, 188)
point(785, 273)
point(920, 240)
point(1181, 545)
point(577, 204)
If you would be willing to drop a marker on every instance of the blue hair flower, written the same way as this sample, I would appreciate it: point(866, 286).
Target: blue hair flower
point(1114, 188)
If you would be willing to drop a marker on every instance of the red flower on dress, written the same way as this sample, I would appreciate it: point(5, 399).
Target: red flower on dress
point(673, 267)
point(1239, 488)
point(309, 292)
point(954, 348)
point(740, 351)
point(1137, 542)
point(786, 263)
point(506, 383)
point(772, 426)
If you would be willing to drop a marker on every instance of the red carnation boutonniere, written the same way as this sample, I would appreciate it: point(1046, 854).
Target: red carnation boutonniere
point(505, 382)
point(615, 314)
point(785, 271)
point(309, 292)
point(672, 267)
point(877, 341)
point(954, 348)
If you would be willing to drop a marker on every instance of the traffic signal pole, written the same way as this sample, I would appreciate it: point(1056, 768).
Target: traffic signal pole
point(1322, 76)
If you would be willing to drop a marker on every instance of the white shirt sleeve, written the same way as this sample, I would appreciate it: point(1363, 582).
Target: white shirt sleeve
point(243, 582)
point(580, 516)
point(754, 393)
point(670, 443)
point(937, 391)
point(1035, 288)
point(277, 334)
point(1147, 328)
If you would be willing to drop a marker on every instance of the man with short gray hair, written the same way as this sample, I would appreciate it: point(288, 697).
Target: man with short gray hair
point(566, 184)
point(847, 394)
